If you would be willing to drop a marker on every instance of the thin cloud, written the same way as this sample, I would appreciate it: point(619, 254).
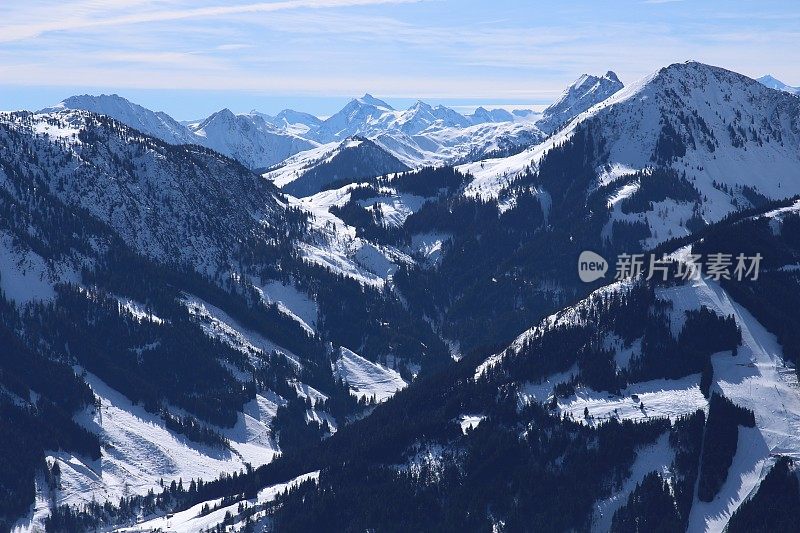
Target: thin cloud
point(16, 32)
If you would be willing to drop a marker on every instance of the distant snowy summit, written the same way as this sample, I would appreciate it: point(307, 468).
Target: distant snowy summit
point(778, 85)
point(155, 123)
point(585, 92)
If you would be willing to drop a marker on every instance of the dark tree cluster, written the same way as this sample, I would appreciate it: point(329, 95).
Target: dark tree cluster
point(650, 508)
point(720, 443)
point(656, 185)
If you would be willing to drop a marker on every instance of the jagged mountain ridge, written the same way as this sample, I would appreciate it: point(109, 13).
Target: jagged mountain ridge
point(153, 194)
point(419, 135)
point(585, 92)
point(154, 123)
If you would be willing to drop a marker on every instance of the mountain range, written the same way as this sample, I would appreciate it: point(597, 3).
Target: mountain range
point(375, 321)
point(417, 136)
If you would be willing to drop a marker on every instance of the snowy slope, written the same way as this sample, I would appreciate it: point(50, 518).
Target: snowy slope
point(335, 245)
point(139, 450)
point(656, 457)
point(367, 379)
point(291, 302)
point(27, 277)
point(662, 398)
point(351, 160)
point(217, 324)
point(755, 378)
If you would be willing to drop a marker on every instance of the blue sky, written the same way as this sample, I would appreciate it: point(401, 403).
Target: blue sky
point(190, 58)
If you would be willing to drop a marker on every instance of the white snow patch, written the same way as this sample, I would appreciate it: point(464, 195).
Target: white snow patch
point(366, 378)
point(429, 246)
point(470, 421)
point(307, 391)
point(542, 390)
point(292, 302)
point(139, 310)
point(662, 398)
point(24, 276)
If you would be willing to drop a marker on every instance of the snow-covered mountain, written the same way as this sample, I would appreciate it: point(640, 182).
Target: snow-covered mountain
point(417, 136)
point(727, 134)
point(361, 116)
point(424, 134)
point(145, 243)
point(482, 115)
point(154, 123)
point(778, 85)
point(295, 122)
point(171, 314)
point(248, 138)
point(585, 92)
point(159, 196)
point(341, 163)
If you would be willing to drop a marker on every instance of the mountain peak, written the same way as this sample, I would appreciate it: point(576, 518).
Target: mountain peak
point(223, 115)
point(368, 99)
point(774, 83)
point(419, 104)
point(101, 104)
point(154, 123)
point(582, 94)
